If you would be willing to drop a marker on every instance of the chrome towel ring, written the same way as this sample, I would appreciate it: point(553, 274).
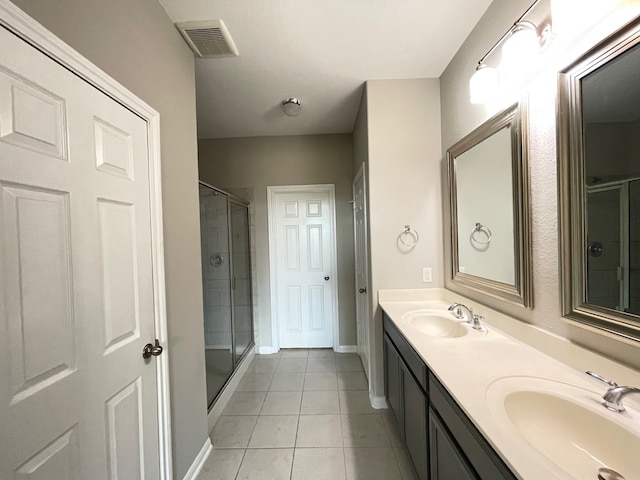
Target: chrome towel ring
point(479, 228)
point(410, 232)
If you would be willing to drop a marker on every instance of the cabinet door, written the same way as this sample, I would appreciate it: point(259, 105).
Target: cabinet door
point(446, 459)
point(415, 423)
point(393, 382)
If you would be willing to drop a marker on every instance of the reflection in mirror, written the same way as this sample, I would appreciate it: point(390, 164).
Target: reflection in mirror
point(485, 211)
point(489, 211)
point(600, 178)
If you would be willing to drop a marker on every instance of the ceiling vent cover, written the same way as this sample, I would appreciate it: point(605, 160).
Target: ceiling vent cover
point(208, 38)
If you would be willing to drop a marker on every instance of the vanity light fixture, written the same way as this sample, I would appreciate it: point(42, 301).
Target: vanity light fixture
point(292, 106)
point(483, 84)
point(520, 47)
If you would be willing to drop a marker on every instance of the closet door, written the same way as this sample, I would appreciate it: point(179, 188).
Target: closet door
point(241, 279)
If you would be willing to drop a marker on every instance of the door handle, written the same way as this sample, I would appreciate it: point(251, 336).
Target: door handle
point(363, 290)
point(150, 349)
point(326, 277)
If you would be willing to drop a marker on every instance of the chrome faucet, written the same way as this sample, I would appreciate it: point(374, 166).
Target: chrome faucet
point(613, 396)
point(473, 319)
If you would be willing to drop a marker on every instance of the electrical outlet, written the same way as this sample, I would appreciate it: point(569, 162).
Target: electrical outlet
point(426, 275)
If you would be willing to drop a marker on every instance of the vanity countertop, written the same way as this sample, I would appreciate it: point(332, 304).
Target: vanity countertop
point(479, 368)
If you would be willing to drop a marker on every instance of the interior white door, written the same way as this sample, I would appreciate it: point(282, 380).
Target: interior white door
point(362, 266)
point(77, 400)
point(302, 222)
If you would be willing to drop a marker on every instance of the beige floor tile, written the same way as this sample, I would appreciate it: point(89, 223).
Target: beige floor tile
point(318, 464)
point(352, 381)
point(291, 365)
point(287, 382)
point(274, 431)
point(355, 401)
point(263, 365)
point(222, 465)
point(349, 364)
point(319, 431)
point(321, 352)
point(254, 382)
point(364, 431)
point(321, 365)
point(320, 381)
point(282, 403)
point(371, 464)
point(320, 402)
point(294, 353)
point(233, 432)
point(404, 464)
point(245, 403)
point(266, 464)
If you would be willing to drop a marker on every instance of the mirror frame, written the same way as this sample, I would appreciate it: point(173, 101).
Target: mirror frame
point(521, 293)
point(571, 190)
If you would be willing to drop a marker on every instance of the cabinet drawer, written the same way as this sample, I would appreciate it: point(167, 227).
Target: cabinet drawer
point(480, 454)
point(408, 354)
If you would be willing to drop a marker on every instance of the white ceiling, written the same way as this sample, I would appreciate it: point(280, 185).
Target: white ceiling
point(321, 51)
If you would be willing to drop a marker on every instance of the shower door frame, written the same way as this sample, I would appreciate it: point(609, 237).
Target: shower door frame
point(236, 358)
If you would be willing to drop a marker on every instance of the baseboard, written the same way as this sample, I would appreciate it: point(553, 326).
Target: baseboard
point(378, 402)
point(231, 386)
point(347, 349)
point(198, 462)
point(267, 350)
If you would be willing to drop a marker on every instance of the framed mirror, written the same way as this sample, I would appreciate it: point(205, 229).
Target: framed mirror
point(489, 234)
point(599, 181)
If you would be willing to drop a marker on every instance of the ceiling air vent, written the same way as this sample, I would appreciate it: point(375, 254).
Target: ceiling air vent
point(208, 38)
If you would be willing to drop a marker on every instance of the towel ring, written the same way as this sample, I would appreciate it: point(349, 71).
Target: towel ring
point(484, 229)
point(412, 233)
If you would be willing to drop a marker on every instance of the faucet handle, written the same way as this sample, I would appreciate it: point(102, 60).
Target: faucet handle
point(611, 383)
point(456, 310)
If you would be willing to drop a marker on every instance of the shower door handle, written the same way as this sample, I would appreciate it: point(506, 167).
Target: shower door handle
point(150, 349)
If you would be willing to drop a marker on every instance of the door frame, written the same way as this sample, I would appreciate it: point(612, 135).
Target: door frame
point(272, 192)
point(19, 23)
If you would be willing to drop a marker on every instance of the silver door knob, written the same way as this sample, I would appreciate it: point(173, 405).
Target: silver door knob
point(150, 349)
point(363, 290)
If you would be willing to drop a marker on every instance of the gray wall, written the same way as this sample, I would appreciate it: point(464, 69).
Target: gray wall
point(258, 162)
point(397, 134)
point(136, 43)
point(459, 118)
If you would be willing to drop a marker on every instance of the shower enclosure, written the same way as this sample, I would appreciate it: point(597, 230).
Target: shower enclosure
point(226, 285)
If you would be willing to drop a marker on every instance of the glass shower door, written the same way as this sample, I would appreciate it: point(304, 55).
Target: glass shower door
point(216, 285)
point(241, 279)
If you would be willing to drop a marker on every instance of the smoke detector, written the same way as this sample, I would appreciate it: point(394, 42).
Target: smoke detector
point(208, 38)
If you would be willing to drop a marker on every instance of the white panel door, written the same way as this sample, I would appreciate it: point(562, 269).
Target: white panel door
point(77, 400)
point(362, 267)
point(304, 239)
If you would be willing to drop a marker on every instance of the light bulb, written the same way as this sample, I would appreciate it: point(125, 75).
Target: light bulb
point(483, 85)
point(521, 49)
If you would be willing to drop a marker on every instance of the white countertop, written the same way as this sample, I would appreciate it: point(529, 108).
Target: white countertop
point(472, 365)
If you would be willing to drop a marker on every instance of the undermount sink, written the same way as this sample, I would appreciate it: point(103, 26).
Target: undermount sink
point(569, 426)
point(436, 323)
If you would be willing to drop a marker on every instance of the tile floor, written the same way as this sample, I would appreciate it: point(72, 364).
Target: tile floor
point(305, 415)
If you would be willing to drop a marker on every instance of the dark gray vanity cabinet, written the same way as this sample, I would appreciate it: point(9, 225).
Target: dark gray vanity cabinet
point(443, 444)
point(407, 399)
point(447, 461)
point(393, 382)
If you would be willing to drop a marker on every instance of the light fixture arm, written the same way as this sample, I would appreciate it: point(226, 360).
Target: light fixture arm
point(507, 33)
